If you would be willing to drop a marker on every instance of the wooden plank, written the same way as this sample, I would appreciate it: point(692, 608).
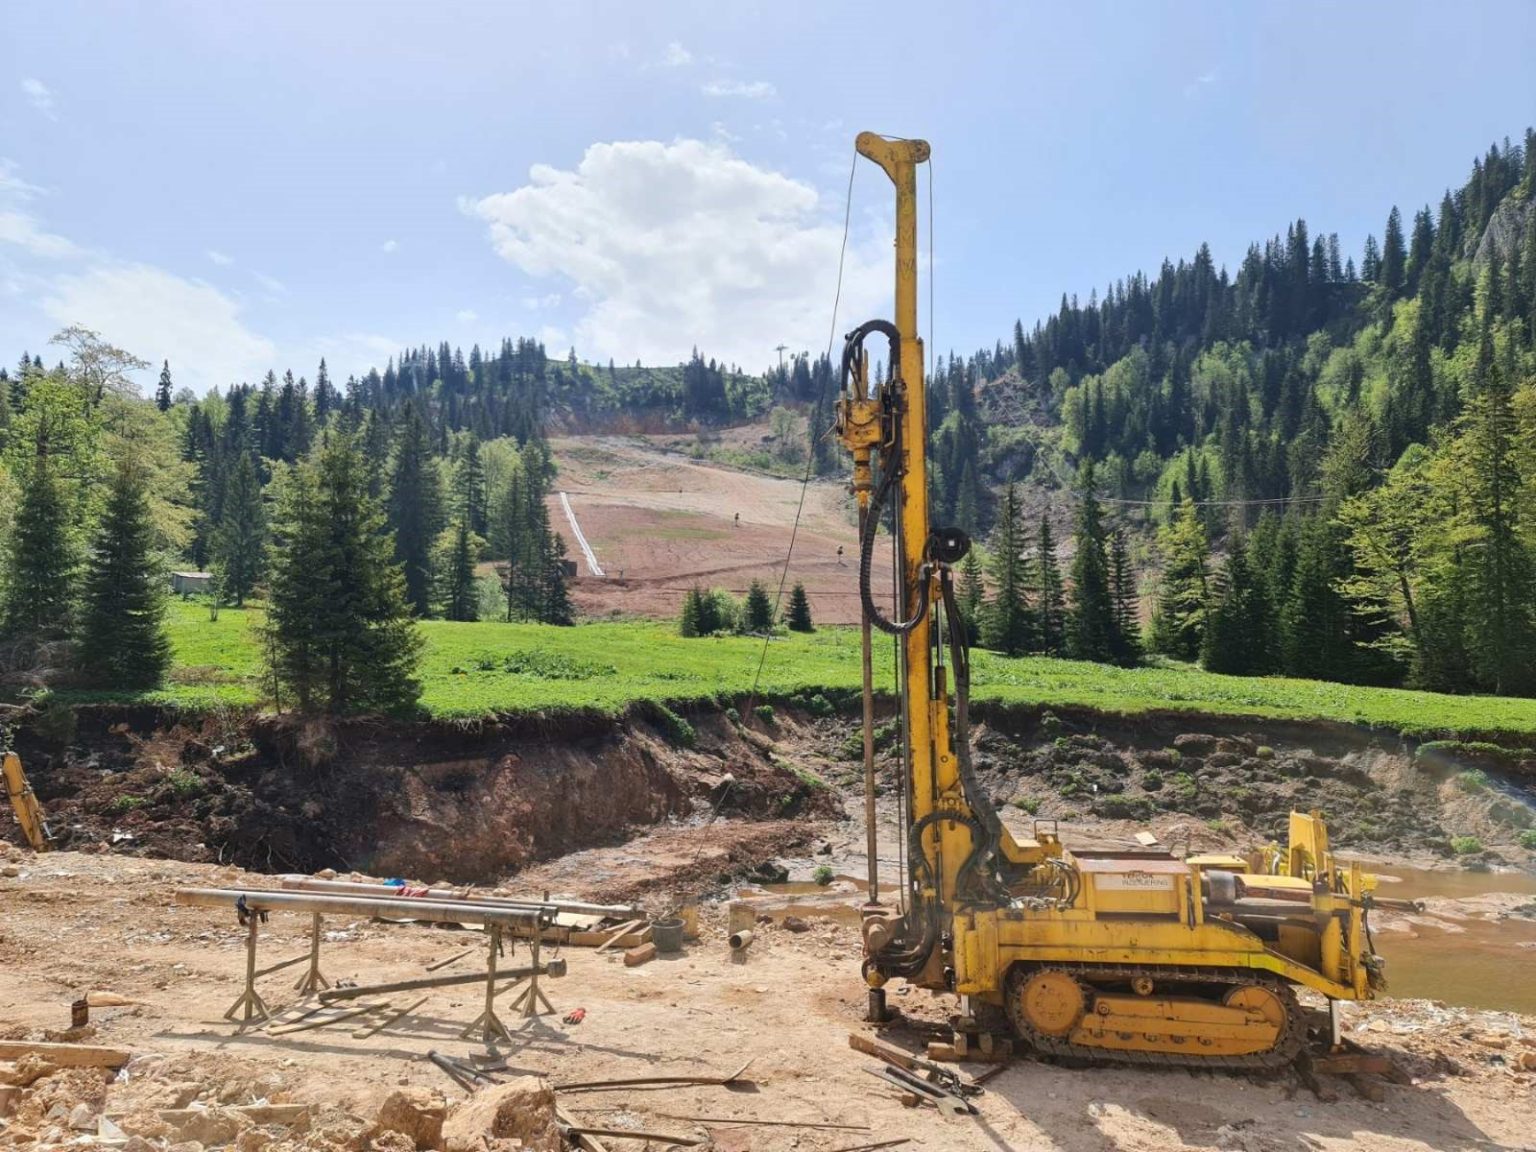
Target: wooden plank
point(641, 955)
point(320, 1021)
point(622, 930)
point(583, 1140)
point(66, 1055)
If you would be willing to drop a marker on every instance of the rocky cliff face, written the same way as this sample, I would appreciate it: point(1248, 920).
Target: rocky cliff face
point(1506, 229)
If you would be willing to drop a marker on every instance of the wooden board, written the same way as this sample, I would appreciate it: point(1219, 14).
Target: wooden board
point(66, 1055)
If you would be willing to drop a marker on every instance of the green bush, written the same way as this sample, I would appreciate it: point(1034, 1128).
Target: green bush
point(823, 875)
point(1185, 787)
point(126, 803)
point(183, 783)
point(1466, 845)
point(733, 716)
point(1473, 780)
point(1026, 804)
point(1151, 780)
point(1528, 839)
point(678, 730)
point(819, 706)
point(764, 712)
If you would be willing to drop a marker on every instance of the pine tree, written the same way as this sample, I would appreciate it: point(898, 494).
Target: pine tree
point(799, 616)
point(1315, 618)
point(163, 389)
point(1393, 255)
point(1370, 263)
point(458, 596)
point(469, 487)
point(1178, 626)
point(123, 642)
point(555, 602)
point(1090, 620)
point(415, 509)
point(1501, 586)
point(972, 596)
point(1053, 603)
point(689, 620)
point(43, 561)
point(239, 542)
point(1238, 620)
point(339, 630)
point(1009, 626)
point(1124, 601)
point(759, 612)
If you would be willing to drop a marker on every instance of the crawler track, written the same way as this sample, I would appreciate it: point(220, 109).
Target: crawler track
point(1293, 1033)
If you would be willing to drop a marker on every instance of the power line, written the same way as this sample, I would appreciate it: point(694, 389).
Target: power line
point(810, 457)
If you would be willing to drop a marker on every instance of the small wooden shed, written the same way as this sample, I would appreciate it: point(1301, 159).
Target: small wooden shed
point(191, 583)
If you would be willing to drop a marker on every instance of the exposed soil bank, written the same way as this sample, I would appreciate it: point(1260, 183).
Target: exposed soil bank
point(477, 803)
point(1217, 781)
point(460, 803)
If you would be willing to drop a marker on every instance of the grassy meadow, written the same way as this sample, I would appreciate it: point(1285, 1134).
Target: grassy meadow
point(489, 668)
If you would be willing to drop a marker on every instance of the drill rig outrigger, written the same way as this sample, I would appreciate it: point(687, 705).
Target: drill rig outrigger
point(1110, 955)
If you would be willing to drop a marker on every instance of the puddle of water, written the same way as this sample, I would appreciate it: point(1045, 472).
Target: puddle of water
point(1482, 966)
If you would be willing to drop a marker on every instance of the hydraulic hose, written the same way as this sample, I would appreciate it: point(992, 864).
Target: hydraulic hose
point(877, 500)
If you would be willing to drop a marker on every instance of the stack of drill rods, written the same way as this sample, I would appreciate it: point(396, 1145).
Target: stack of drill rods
point(526, 917)
point(350, 888)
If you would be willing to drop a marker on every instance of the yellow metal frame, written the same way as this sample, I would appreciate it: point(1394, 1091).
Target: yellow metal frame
point(29, 813)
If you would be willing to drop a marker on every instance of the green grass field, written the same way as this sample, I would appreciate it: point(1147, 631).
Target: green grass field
point(476, 670)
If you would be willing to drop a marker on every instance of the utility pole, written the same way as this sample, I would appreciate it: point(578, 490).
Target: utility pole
point(780, 350)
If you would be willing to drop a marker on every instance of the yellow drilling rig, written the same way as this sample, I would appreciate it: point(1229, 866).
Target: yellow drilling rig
point(1126, 956)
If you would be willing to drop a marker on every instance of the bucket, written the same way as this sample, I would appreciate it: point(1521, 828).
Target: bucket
point(667, 934)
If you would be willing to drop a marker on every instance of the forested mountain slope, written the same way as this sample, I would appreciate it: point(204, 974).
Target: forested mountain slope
point(1356, 436)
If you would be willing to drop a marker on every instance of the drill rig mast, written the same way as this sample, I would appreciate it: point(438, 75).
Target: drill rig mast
point(1098, 955)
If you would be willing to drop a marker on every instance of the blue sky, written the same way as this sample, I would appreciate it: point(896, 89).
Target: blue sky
point(237, 187)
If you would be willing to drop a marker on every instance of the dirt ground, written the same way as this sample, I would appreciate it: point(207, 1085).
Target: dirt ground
point(659, 522)
point(76, 922)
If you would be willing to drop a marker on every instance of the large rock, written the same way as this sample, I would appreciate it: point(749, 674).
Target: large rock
point(415, 1112)
point(214, 1126)
point(523, 1109)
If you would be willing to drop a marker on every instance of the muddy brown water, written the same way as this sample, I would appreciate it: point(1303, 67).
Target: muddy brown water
point(1490, 963)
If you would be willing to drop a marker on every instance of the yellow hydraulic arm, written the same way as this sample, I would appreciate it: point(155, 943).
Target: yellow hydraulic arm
point(29, 813)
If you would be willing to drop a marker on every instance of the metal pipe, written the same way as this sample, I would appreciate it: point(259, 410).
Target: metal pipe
point(866, 655)
point(357, 888)
point(435, 911)
point(741, 941)
point(554, 968)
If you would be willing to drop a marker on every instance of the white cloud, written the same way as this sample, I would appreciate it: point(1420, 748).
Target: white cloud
point(13, 185)
point(39, 96)
point(160, 315)
point(466, 315)
point(273, 286)
point(220, 258)
point(683, 244)
point(23, 231)
point(676, 56)
point(1204, 80)
point(390, 246)
point(747, 90)
point(542, 303)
